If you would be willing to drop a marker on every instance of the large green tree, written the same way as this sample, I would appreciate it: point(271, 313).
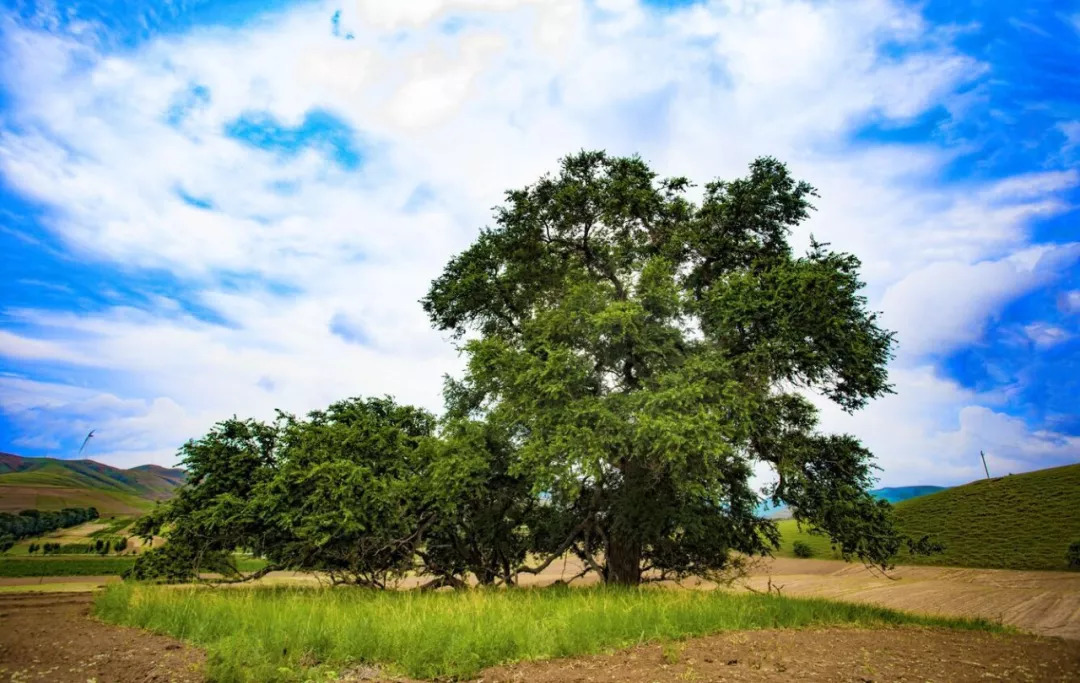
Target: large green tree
point(643, 352)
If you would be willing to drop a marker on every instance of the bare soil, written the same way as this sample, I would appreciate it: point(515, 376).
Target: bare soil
point(900, 654)
point(51, 637)
point(1042, 602)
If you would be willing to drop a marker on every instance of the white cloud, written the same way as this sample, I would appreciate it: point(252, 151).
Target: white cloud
point(465, 116)
point(1069, 302)
point(932, 430)
point(1045, 335)
point(947, 304)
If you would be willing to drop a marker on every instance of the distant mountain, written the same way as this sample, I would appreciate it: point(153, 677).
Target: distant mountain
point(896, 494)
point(893, 494)
point(51, 483)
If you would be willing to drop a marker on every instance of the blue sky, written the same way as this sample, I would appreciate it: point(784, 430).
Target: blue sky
point(217, 208)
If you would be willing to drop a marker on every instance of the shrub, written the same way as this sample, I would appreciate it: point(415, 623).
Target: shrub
point(1072, 555)
point(802, 549)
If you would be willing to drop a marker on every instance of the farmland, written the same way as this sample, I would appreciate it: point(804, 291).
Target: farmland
point(280, 634)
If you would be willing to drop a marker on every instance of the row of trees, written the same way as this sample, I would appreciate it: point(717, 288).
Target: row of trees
point(100, 546)
point(633, 358)
point(30, 523)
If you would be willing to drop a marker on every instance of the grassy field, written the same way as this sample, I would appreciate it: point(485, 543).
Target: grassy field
point(64, 565)
point(790, 532)
point(285, 634)
point(1022, 521)
point(104, 528)
point(85, 565)
point(113, 526)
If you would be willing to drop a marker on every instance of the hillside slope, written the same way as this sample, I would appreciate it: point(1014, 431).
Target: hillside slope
point(1021, 521)
point(50, 484)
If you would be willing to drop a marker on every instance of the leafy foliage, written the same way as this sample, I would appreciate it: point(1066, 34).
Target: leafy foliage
point(1072, 555)
point(802, 549)
point(348, 491)
point(646, 352)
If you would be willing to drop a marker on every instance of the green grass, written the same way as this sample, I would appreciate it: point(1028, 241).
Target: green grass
point(1022, 521)
point(790, 532)
point(285, 634)
point(113, 526)
point(74, 565)
point(84, 565)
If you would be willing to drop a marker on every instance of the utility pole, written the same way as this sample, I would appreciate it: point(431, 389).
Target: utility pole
point(987, 469)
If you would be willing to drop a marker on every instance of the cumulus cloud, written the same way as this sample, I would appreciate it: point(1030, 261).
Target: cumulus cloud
point(947, 304)
point(139, 160)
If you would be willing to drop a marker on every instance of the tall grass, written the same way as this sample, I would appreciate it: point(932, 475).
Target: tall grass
point(272, 634)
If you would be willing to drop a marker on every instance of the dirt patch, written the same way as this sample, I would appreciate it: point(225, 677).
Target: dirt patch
point(51, 637)
point(1042, 602)
point(43, 580)
point(900, 654)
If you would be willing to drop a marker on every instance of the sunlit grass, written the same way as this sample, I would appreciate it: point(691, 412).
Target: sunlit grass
point(272, 634)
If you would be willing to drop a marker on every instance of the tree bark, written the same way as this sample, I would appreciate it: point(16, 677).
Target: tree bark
point(623, 559)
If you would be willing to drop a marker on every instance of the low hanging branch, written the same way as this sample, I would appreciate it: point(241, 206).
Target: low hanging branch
point(254, 576)
point(566, 545)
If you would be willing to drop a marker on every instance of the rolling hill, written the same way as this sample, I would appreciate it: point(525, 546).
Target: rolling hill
point(51, 484)
point(1020, 521)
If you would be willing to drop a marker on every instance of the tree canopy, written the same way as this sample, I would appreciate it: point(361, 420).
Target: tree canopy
point(633, 358)
point(648, 351)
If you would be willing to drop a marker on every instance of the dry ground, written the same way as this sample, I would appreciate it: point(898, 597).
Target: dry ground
point(901, 654)
point(51, 637)
point(1042, 602)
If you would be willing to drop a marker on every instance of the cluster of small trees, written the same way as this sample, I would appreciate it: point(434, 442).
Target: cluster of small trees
point(30, 523)
point(632, 356)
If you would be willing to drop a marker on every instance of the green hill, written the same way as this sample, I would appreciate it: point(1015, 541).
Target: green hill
point(1021, 521)
point(51, 484)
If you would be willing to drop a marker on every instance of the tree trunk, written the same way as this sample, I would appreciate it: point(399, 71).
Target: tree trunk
point(623, 559)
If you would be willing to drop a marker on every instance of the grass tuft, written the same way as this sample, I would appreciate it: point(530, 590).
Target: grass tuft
point(284, 634)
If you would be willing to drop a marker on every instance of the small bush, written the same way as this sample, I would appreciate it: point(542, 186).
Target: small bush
point(1072, 555)
point(802, 549)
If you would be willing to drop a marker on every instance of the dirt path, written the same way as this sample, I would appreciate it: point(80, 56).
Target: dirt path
point(1045, 603)
point(51, 637)
point(901, 654)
